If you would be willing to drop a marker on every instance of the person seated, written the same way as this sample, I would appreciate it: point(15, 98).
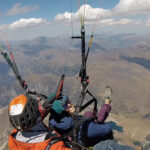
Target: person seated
point(26, 115)
point(60, 117)
point(90, 132)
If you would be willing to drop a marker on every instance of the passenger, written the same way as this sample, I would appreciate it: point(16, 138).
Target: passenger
point(61, 119)
point(26, 115)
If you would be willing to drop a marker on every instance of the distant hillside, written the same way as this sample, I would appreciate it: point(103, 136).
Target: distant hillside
point(124, 68)
point(137, 60)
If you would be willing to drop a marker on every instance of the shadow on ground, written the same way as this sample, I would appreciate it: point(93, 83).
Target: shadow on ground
point(115, 126)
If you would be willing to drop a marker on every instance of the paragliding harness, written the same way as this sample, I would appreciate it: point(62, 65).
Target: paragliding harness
point(84, 78)
point(83, 74)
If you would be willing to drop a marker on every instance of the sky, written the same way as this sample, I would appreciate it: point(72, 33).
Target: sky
point(28, 19)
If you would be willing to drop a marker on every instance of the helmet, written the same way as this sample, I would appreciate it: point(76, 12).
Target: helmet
point(23, 112)
point(64, 100)
point(60, 105)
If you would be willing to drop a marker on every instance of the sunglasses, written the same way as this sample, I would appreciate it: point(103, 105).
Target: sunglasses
point(66, 106)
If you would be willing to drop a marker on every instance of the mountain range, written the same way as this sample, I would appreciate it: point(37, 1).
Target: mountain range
point(119, 61)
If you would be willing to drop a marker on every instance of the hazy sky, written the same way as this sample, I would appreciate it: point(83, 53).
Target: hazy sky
point(26, 19)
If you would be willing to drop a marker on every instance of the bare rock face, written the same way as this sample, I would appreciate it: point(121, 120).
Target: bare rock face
point(146, 144)
point(5, 128)
point(148, 138)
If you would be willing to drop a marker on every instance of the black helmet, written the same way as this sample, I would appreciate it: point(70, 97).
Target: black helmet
point(23, 112)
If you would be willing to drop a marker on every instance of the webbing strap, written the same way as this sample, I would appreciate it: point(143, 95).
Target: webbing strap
point(53, 141)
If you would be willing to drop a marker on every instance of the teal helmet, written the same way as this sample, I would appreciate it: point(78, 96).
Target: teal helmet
point(61, 104)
